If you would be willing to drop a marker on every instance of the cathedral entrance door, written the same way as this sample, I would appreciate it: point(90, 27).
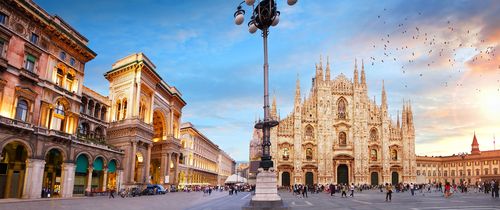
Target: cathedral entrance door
point(309, 179)
point(374, 178)
point(285, 179)
point(395, 178)
point(342, 174)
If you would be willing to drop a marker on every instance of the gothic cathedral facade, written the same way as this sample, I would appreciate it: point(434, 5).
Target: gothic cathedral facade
point(339, 135)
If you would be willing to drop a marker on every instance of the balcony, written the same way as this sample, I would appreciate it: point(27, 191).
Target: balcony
point(57, 87)
point(16, 123)
point(59, 134)
point(135, 122)
point(29, 75)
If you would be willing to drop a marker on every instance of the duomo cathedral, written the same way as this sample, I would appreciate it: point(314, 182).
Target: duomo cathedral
point(337, 134)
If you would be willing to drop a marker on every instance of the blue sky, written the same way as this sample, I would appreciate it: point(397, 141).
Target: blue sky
point(454, 87)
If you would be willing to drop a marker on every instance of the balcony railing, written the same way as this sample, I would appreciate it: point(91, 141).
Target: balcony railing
point(91, 136)
point(15, 123)
point(28, 74)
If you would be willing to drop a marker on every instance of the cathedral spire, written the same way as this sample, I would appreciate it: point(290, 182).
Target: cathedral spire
point(363, 78)
point(356, 81)
point(384, 96)
point(319, 70)
point(398, 120)
point(327, 75)
point(475, 146)
point(297, 91)
point(404, 119)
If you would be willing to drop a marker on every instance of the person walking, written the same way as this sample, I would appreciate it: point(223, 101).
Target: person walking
point(388, 192)
point(111, 191)
point(332, 190)
point(344, 190)
point(412, 189)
point(304, 191)
point(495, 188)
point(352, 190)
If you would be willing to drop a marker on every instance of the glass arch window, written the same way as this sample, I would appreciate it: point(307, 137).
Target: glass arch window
point(22, 110)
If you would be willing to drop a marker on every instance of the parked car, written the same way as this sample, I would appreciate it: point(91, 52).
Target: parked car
point(160, 189)
point(149, 190)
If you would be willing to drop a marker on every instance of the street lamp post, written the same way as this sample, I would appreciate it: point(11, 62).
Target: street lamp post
point(264, 15)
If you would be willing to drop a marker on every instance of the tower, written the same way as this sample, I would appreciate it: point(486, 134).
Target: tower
point(475, 146)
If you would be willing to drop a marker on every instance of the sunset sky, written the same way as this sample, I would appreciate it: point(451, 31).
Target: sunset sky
point(444, 56)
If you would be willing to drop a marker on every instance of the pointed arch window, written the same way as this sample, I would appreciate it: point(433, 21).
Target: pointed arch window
point(285, 153)
point(309, 133)
point(373, 134)
point(394, 154)
point(342, 104)
point(124, 109)
point(118, 109)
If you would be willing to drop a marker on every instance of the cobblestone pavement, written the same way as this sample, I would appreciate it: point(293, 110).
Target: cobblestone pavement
point(369, 200)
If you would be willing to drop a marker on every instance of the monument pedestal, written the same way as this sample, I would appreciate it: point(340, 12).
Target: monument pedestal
point(266, 193)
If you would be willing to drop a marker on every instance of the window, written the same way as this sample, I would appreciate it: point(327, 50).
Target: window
point(34, 38)
point(495, 171)
point(373, 134)
point(477, 172)
point(373, 155)
point(2, 43)
point(452, 172)
point(30, 63)
point(342, 138)
point(58, 117)
point(342, 109)
point(485, 171)
point(394, 155)
point(22, 110)
point(72, 61)
point(285, 153)
point(309, 154)
point(445, 173)
point(69, 81)
point(59, 77)
point(309, 133)
point(468, 172)
point(495, 162)
point(62, 55)
point(485, 162)
point(3, 18)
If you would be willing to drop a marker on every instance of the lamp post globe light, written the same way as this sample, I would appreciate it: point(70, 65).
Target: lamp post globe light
point(265, 14)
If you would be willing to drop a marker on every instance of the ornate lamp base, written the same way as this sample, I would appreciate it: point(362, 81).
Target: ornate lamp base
point(266, 193)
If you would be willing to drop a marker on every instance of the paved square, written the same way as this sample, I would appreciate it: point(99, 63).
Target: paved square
point(369, 200)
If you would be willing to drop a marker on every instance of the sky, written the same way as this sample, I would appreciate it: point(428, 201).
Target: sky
point(442, 55)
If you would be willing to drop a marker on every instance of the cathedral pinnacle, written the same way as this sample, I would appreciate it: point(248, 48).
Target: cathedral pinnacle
point(297, 91)
point(363, 78)
point(273, 107)
point(384, 96)
point(356, 81)
point(327, 76)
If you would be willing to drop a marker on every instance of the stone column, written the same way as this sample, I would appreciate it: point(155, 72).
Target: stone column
point(33, 178)
point(119, 179)
point(89, 179)
point(68, 180)
point(148, 163)
point(131, 164)
point(163, 169)
point(169, 157)
point(176, 167)
point(105, 179)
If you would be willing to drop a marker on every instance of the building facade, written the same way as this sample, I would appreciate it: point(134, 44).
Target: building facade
point(42, 66)
point(476, 166)
point(199, 158)
point(227, 167)
point(145, 122)
point(338, 135)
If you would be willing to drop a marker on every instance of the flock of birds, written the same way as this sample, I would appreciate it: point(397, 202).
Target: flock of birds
point(430, 47)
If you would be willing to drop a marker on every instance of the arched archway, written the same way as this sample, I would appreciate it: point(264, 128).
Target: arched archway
point(285, 179)
point(81, 171)
point(97, 174)
point(111, 182)
point(13, 169)
point(154, 171)
point(374, 178)
point(52, 173)
point(395, 178)
point(309, 178)
point(342, 174)
point(139, 166)
point(159, 125)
